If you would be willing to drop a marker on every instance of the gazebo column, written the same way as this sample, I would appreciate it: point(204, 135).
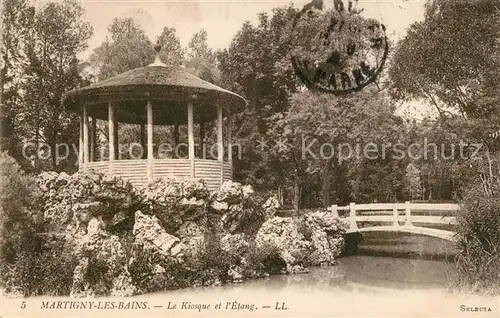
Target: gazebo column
point(85, 135)
point(149, 110)
point(111, 133)
point(220, 143)
point(191, 138)
point(80, 146)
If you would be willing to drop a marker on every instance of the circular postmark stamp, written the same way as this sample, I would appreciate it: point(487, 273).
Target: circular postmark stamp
point(336, 50)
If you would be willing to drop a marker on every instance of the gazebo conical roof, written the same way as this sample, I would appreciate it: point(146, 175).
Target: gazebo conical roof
point(169, 89)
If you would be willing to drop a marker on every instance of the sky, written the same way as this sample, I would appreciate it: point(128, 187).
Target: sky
point(223, 18)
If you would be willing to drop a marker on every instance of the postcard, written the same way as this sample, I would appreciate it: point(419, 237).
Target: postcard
point(247, 158)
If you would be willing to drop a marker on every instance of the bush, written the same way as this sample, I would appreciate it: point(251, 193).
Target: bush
point(18, 241)
point(152, 272)
point(30, 263)
point(212, 263)
point(478, 238)
point(56, 263)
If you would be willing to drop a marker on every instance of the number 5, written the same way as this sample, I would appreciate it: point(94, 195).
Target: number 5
point(23, 304)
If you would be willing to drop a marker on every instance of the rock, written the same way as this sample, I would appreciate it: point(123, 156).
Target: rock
point(163, 190)
point(150, 234)
point(297, 269)
point(95, 227)
point(235, 244)
point(271, 206)
point(119, 217)
point(247, 190)
point(84, 210)
point(326, 235)
point(111, 251)
point(319, 239)
point(192, 236)
point(231, 220)
point(220, 207)
point(192, 208)
point(283, 234)
point(62, 179)
point(230, 192)
point(196, 188)
point(188, 230)
point(158, 269)
point(47, 180)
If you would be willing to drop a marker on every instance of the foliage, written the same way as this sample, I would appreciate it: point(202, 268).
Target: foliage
point(201, 59)
point(314, 142)
point(127, 48)
point(478, 238)
point(457, 63)
point(16, 214)
point(29, 263)
point(45, 66)
point(257, 66)
point(151, 272)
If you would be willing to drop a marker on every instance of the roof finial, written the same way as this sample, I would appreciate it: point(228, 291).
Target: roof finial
point(157, 61)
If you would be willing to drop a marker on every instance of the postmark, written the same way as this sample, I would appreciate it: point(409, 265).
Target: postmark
point(336, 50)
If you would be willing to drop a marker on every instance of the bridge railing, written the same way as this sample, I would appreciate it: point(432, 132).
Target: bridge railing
point(396, 213)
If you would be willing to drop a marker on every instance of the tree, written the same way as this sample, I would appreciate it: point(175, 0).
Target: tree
point(201, 59)
point(457, 62)
point(46, 66)
point(323, 133)
point(257, 66)
point(456, 70)
point(127, 48)
point(17, 17)
point(172, 52)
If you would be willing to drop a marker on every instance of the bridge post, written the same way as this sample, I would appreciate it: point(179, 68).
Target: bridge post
point(334, 210)
point(352, 217)
point(408, 214)
point(395, 214)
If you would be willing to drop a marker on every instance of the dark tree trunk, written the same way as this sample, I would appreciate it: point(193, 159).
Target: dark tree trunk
point(296, 192)
point(117, 150)
point(202, 140)
point(325, 187)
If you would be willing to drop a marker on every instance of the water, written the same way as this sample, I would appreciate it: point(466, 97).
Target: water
point(386, 262)
point(394, 275)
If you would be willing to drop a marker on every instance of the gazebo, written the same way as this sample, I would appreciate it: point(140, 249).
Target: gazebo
point(156, 95)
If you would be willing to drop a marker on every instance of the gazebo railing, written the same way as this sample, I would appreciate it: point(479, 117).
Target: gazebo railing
point(135, 171)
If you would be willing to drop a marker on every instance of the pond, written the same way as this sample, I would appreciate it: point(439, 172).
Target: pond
point(385, 261)
point(393, 275)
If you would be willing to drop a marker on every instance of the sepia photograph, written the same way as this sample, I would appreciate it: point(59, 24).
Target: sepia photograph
point(250, 158)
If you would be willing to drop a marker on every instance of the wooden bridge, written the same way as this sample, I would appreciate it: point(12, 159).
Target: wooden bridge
point(431, 219)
